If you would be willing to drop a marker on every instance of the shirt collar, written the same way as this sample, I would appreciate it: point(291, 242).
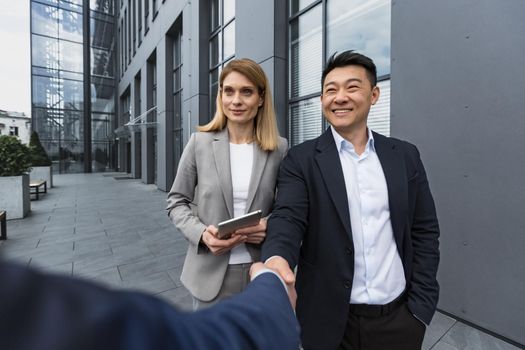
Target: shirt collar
point(340, 141)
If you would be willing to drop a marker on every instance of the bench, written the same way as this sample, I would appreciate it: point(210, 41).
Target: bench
point(3, 225)
point(35, 185)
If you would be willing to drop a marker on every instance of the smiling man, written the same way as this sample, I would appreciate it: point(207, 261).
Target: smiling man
point(355, 214)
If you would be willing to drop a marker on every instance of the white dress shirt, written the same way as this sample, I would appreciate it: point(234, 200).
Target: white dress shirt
point(378, 271)
point(241, 162)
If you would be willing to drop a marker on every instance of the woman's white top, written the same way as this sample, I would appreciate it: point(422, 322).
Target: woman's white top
point(241, 162)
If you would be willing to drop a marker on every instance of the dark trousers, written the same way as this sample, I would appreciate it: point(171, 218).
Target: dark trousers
point(396, 329)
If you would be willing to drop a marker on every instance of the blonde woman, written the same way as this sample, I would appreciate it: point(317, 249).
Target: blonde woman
point(227, 169)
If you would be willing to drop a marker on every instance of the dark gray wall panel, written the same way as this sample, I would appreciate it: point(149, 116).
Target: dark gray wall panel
point(457, 92)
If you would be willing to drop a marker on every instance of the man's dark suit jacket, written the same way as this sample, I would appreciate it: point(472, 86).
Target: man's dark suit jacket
point(44, 312)
point(310, 227)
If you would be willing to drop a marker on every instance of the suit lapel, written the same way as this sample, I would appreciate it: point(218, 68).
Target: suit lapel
point(393, 164)
point(221, 154)
point(259, 162)
point(332, 173)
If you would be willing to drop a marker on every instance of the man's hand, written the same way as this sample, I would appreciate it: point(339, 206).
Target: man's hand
point(280, 265)
point(257, 267)
point(220, 246)
point(254, 234)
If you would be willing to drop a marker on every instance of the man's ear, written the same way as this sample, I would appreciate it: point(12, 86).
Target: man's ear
point(375, 94)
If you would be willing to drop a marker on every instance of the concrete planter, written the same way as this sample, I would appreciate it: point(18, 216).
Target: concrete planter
point(14, 196)
point(42, 173)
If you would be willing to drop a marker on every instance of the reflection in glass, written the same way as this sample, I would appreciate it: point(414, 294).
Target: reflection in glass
point(45, 51)
point(71, 56)
point(298, 5)
point(105, 6)
point(102, 62)
point(215, 50)
point(70, 26)
point(73, 5)
point(58, 79)
point(362, 25)
point(176, 80)
point(306, 53)
point(44, 19)
point(214, 15)
point(102, 33)
point(214, 87)
point(229, 40)
point(229, 10)
point(305, 121)
point(100, 147)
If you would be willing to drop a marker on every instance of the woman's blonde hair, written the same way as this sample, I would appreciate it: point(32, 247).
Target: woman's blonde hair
point(265, 130)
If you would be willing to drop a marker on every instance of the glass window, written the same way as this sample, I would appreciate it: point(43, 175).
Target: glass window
point(105, 6)
point(229, 40)
point(298, 5)
point(361, 25)
point(71, 56)
point(44, 19)
point(73, 94)
point(75, 5)
point(222, 42)
point(102, 62)
point(214, 15)
point(305, 120)
point(44, 51)
point(306, 61)
point(215, 50)
point(229, 10)
point(101, 33)
point(70, 26)
point(13, 130)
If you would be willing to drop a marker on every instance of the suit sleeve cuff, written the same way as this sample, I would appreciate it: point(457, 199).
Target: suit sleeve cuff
point(266, 270)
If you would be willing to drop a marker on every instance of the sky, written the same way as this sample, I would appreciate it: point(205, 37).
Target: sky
point(15, 70)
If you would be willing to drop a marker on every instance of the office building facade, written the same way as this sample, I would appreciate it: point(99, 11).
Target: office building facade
point(171, 54)
point(15, 124)
point(73, 82)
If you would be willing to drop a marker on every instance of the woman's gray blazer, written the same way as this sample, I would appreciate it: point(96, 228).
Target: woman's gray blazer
point(202, 195)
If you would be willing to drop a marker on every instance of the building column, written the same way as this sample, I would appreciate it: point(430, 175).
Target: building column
point(165, 171)
point(268, 49)
point(147, 155)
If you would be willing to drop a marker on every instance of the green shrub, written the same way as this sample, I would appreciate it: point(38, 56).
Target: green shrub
point(15, 157)
point(39, 156)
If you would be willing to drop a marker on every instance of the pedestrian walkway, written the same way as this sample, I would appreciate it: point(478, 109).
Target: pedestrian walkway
point(114, 230)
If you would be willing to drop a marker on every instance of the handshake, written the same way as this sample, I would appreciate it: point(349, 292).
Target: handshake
point(279, 266)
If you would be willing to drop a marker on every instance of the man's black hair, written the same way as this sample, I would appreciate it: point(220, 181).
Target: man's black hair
point(351, 58)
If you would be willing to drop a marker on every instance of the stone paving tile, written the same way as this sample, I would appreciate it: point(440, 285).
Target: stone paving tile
point(62, 269)
point(179, 297)
point(109, 277)
point(168, 246)
point(175, 275)
point(153, 283)
point(465, 337)
point(443, 346)
point(439, 326)
point(150, 266)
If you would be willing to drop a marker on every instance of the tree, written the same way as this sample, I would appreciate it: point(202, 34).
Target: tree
point(39, 156)
point(15, 157)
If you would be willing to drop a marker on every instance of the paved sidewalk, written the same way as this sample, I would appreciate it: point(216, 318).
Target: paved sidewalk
point(116, 232)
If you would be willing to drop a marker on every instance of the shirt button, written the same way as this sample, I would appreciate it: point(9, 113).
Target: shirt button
point(348, 284)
